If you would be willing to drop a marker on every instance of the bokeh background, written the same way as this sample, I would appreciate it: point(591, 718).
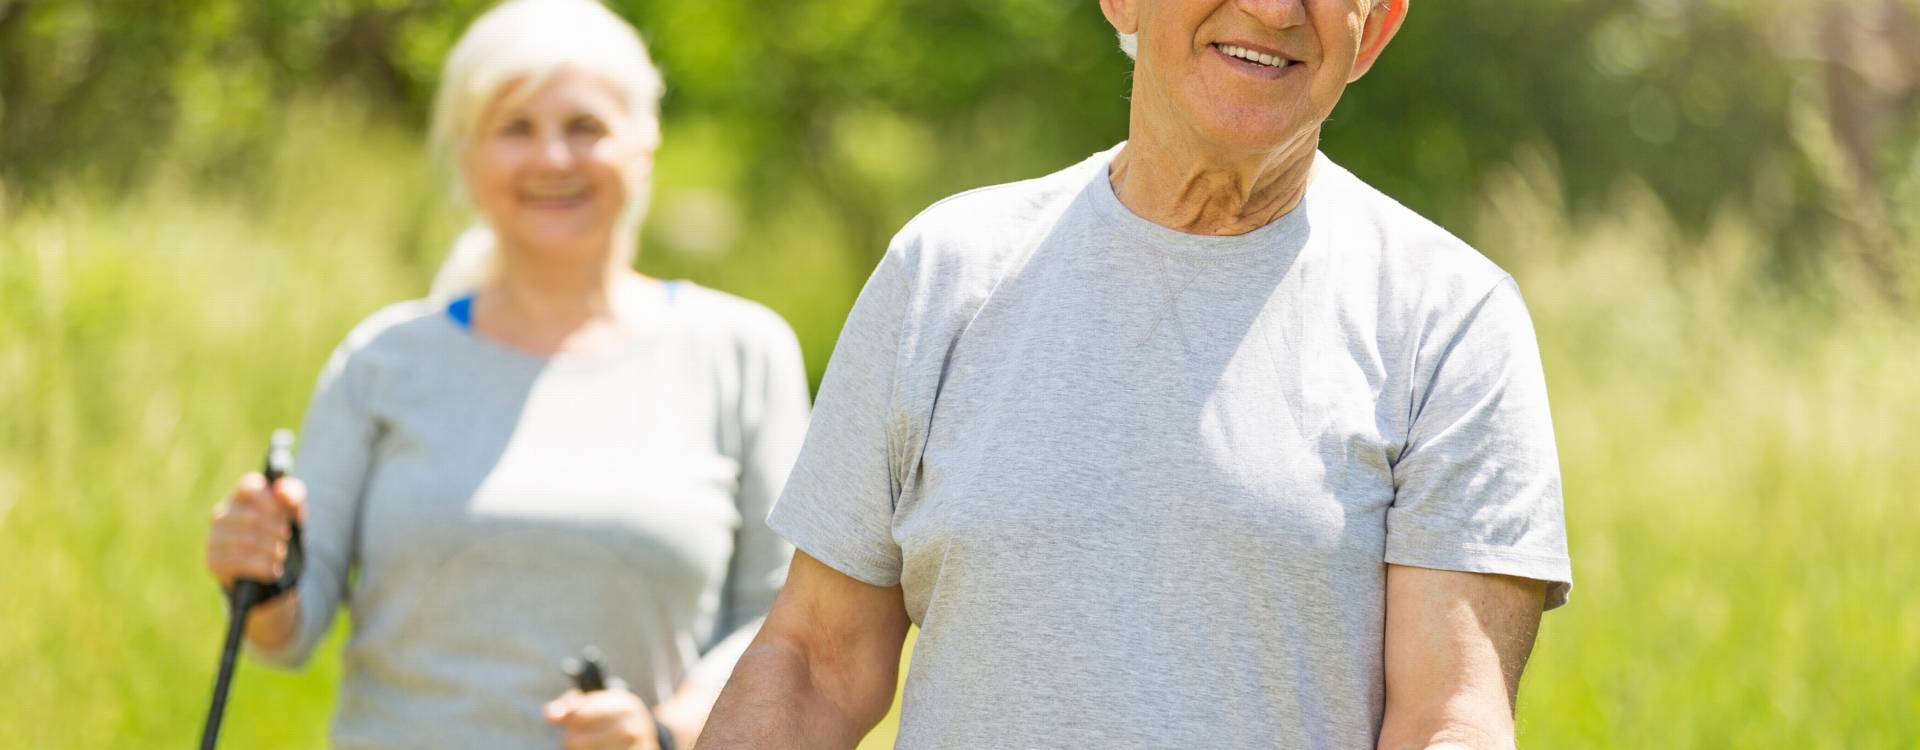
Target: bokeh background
point(1710, 205)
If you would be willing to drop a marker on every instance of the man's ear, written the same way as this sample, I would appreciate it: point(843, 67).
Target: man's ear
point(1121, 13)
point(1383, 21)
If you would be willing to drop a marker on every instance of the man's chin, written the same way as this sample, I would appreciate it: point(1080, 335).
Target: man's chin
point(1257, 133)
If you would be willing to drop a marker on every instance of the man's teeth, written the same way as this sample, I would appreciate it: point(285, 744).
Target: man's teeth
point(1252, 56)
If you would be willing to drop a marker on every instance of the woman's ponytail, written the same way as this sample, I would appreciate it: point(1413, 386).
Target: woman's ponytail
point(472, 263)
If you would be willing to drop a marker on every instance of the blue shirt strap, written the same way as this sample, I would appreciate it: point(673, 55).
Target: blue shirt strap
point(461, 310)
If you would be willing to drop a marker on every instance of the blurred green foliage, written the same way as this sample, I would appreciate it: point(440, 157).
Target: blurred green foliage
point(1709, 203)
point(1741, 530)
point(862, 111)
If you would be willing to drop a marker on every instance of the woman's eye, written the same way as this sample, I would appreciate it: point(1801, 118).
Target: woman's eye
point(517, 128)
point(585, 127)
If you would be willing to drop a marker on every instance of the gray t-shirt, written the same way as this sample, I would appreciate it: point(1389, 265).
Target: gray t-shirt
point(1140, 487)
point(484, 513)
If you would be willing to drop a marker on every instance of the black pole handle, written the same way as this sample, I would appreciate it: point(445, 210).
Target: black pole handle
point(247, 593)
point(279, 463)
point(588, 676)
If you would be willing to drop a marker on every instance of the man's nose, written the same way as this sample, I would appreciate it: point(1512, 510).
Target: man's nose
point(1275, 14)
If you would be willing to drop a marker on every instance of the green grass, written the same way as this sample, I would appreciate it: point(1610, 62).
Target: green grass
point(1736, 455)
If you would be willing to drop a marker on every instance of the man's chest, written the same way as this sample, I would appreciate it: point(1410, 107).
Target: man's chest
point(1077, 421)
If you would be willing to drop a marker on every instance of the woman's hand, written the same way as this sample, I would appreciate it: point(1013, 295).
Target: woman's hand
point(249, 540)
point(249, 537)
point(603, 720)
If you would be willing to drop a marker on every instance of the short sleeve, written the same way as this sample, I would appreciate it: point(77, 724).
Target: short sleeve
point(838, 503)
point(1477, 488)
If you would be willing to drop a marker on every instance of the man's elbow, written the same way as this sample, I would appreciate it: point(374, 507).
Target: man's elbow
point(856, 685)
point(814, 692)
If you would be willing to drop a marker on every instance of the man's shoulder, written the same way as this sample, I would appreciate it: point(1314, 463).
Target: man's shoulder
point(1405, 245)
point(986, 224)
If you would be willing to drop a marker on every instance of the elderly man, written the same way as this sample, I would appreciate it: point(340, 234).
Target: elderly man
point(1201, 442)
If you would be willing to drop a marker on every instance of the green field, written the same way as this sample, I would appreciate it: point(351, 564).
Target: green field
point(1737, 448)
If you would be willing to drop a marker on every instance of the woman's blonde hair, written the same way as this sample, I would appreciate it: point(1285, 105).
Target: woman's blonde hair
point(528, 42)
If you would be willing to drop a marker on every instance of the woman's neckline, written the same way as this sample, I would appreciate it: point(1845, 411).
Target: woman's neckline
point(660, 309)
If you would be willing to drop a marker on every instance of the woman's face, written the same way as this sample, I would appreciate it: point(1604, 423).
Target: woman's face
point(553, 169)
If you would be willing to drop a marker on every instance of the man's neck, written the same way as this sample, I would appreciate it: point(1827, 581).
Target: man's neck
point(1208, 191)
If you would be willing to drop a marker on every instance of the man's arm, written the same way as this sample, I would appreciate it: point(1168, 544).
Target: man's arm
point(1455, 646)
point(822, 670)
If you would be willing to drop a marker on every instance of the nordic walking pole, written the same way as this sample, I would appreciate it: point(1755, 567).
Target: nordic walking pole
point(588, 676)
point(247, 593)
point(586, 671)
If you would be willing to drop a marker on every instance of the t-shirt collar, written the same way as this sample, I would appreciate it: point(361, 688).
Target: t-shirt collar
point(1285, 231)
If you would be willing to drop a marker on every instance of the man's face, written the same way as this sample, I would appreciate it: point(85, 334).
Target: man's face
point(1247, 74)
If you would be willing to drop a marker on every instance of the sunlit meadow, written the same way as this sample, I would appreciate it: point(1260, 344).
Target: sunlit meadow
point(1737, 455)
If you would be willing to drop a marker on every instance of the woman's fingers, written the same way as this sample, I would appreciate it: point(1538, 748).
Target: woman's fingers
point(240, 554)
point(251, 504)
point(601, 719)
point(251, 516)
point(602, 706)
point(558, 709)
point(291, 495)
point(250, 486)
point(249, 533)
point(230, 567)
point(609, 737)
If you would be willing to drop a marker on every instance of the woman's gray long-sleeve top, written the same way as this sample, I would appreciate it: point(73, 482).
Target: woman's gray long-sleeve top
point(484, 513)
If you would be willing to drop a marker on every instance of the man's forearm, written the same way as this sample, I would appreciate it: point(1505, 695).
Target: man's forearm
point(1478, 715)
point(773, 701)
point(1456, 644)
point(1483, 733)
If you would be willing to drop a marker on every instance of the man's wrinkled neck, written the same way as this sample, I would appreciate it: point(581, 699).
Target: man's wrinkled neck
point(1172, 177)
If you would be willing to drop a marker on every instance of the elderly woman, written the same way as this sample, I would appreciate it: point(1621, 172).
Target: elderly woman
point(1201, 442)
point(568, 454)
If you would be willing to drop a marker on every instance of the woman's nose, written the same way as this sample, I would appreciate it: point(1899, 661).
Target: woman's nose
point(555, 152)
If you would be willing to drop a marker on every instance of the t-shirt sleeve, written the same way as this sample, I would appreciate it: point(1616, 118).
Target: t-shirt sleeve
point(335, 457)
point(838, 503)
point(1477, 488)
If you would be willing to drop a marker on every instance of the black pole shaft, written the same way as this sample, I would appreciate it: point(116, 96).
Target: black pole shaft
point(241, 600)
point(245, 594)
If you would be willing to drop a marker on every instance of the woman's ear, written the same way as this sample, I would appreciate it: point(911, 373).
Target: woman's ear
point(1383, 21)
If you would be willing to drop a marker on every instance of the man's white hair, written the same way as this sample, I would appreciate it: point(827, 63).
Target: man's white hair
point(1130, 43)
point(528, 42)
